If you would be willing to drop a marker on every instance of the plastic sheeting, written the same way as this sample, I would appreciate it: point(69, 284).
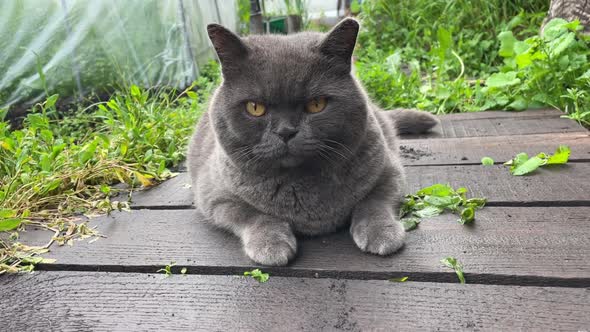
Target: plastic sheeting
point(73, 47)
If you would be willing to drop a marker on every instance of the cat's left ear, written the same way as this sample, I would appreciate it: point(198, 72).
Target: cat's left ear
point(340, 40)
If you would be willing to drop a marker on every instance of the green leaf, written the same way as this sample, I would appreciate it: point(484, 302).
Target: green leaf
point(445, 38)
point(32, 260)
point(554, 28)
point(557, 46)
point(410, 223)
point(135, 91)
point(428, 212)
point(487, 161)
point(192, 95)
point(529, 166)
point(167, 270)
point(507, 41)
point(519, 104)
point(477, 203)
point(520, 159)
point(51, 100)
point(87, 152)
point(54, 184)
point(439, 201)
point(434, 200)
point(402, 279)
point(561, 155)
point(467, 215)
point(499, 80)
point(436, 190)
point(7, 213)
point(9, 224)
point(452, 263)
point(183, 270)
point(258, 275)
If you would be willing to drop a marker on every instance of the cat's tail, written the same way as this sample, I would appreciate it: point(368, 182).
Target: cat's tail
point(412, 121)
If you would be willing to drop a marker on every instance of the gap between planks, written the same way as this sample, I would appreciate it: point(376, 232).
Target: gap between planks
point(433, 277)
point(563, 185)
point(510, 246)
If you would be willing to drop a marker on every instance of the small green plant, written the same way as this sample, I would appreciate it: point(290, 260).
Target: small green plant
point(487, 161)
point(453, 263)
point(258, 275)
point(167, 270)
point(522, 164)
point(434, 200)
point(402, 279)
point(410, 223)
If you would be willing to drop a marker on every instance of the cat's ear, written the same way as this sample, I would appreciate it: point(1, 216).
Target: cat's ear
point(229, 48)
point(340, 40)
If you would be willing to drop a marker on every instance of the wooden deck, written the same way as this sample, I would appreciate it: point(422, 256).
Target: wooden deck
point(526, 258)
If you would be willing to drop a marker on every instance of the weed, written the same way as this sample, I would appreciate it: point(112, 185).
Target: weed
point(53, 170)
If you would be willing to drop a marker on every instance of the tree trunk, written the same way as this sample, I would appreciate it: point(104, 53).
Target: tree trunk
point(570, 10)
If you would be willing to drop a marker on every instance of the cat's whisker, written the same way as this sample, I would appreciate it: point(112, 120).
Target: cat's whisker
point(335, 151)
point(345, 148)
point(327, 154)
point(326, 157)
point(243, 153)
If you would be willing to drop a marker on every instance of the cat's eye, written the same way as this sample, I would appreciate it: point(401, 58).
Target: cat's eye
point(316, 105)
point(255, 109)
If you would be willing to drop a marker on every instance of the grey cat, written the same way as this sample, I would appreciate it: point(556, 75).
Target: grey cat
point(291, 145)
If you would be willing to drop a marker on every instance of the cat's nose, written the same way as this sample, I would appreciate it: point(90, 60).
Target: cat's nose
point(286, 132)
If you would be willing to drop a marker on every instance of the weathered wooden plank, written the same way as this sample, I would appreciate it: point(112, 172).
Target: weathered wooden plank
point(541, 246)
point(533, 113)
point(483, 124)
point(562, 183)
point(67, 301)
point(499, 127)
point(470, 150)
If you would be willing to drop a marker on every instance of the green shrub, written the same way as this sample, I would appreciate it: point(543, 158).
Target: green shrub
point(454, 56)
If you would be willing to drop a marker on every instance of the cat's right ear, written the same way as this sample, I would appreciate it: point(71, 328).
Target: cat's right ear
point(340, 41)
point(229, 48)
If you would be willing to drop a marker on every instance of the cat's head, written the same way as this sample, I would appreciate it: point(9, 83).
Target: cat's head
point(288, 101)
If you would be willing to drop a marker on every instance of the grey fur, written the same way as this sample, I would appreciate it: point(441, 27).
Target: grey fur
point(340, 166)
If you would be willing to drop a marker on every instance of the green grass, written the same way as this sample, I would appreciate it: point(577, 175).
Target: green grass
point(451, 56)
point(56, 168)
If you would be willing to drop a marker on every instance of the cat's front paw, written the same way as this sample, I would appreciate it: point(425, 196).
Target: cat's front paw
point(381, 237)
point(271, 245)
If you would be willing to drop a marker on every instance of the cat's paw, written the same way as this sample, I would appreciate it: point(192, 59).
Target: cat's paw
point(270, 245)
point(381, 237)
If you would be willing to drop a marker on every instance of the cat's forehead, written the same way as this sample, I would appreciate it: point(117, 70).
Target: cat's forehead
point(302, 44)
point(292, 55)
point(283, 67)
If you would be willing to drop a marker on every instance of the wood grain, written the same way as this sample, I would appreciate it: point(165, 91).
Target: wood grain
point(66, 301)
point(531, 246)
point(470, 150)
point(555, 185)
point(500, 123)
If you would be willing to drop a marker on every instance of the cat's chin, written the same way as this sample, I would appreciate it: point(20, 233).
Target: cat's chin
point(290, 161)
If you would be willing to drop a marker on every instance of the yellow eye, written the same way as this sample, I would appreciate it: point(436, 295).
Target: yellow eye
point(316, 105)
point(255, 109)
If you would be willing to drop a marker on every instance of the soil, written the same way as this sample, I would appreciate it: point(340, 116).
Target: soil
point(413, 153)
